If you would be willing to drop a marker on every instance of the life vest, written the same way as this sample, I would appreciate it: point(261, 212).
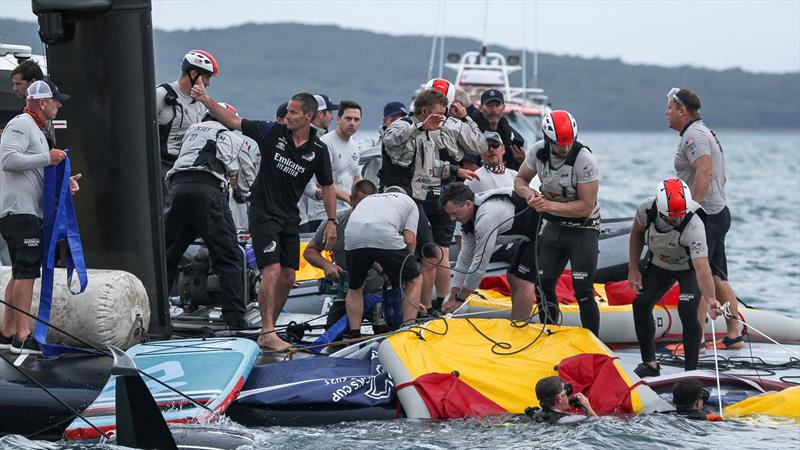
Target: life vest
point(392, 174)
point(171, 133)
point(671, 238)
point(695, 414)
point(562, 177)
point(547, 416)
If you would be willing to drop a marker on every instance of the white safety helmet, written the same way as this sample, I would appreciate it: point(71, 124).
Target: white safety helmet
point(673, 198)
point(443, 86)
point(200, 60)
point(560, 128)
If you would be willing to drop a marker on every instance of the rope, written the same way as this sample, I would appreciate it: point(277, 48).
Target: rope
point(726, 308)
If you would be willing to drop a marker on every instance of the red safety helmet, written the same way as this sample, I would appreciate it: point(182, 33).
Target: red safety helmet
point(559, 127)
point(673, 198)
point(200, 60)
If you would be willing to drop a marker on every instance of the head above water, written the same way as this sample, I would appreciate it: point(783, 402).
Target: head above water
point(550, 390)
point(689, 395)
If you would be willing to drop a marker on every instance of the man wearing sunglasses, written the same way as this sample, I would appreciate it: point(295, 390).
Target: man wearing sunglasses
point(689, 398)
point(555, 398)
point(671, 226)
point(700, 162)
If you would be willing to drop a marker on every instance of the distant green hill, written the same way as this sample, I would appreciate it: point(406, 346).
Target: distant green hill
point(262, 65)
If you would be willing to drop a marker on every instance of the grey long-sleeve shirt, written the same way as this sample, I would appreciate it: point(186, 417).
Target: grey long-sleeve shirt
point(24, 153)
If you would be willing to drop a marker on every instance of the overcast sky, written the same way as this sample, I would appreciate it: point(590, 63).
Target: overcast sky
point(761, 36)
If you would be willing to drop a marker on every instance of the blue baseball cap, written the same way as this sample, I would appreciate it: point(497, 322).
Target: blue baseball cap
point(492, 95)
point(282, 110)
point(325, 104)
point(394, 109)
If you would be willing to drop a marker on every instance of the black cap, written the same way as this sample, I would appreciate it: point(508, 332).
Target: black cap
point(492, 95)
point(282, 110)
point(394, 109)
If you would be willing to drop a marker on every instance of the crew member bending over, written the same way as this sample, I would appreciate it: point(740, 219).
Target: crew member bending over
point(568, 203)
point(382, 229)
point(671, 226)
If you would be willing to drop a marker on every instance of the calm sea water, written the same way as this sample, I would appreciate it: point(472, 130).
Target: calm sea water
point(764, 266)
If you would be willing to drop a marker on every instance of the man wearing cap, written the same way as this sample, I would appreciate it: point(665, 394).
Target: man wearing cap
point(280, 113)
point(489, 117)
point(344, 164)
point(21, 77)
point(700, 162)
point(290, 155)
point(324, 116)
point(494, 187)
point(24, 153)
point(372, 147)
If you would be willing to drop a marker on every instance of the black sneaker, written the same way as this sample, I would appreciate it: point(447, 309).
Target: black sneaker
point(646, 370)
point(5, 342)
point(29, 347)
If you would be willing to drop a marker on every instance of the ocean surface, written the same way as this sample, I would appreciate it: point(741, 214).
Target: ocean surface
point(763, 245)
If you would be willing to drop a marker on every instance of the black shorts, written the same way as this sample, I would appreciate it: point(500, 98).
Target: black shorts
point(442, 228)
point(360, 260)
point(717, 226)
point(276, 239)
point(523, 265)
point(23, 235)
point(424, 249)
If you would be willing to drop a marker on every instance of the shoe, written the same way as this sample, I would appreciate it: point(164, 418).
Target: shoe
point(727, 343)
point(646, 370)
point(5, 342)
point(28, 347)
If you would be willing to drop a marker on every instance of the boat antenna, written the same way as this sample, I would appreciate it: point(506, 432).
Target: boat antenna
point(441, 39)
point(485, 21)
point(524, 52)
point(536, 44)
point(433, 52)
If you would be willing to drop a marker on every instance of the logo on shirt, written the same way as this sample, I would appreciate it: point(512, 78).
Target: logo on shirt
point(281, 145)
point(690, 145)
point(270, 247)
point(30, 242)
point(288, 166)
point(310, 157)
point(696, 245)
point(588, 170)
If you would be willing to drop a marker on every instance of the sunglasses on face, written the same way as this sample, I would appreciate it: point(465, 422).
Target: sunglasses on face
point(494, 145)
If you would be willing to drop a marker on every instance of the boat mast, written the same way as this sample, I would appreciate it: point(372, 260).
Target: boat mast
point(441, 39)
point(535, 44)
point(524, 51)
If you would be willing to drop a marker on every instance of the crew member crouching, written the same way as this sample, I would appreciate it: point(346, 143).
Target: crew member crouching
point(212, 161)
point(382, 229)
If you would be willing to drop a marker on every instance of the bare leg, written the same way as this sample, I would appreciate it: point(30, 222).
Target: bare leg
point(442, 278)
point(285, 283)
point(267, 301)
point(428, 275)
point(354, 302)
point(522, 293)
point(410, 300)
point(8, 317)
point(22, 295)
point(725, 293)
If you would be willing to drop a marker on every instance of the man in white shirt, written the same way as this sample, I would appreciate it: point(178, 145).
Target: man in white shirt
point(344, 165)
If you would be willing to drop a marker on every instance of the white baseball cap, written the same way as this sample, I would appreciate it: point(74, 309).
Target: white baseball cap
point(41, 89)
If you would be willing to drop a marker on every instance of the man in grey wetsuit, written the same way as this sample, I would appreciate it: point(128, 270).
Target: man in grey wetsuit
point(671, 226)
point(700, 162)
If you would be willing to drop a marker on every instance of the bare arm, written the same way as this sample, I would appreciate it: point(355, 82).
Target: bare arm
point(522, 183)
point(702, 178)
point(225, 117)
point(706, 282)
point(313, 255)
point(410, 239)
point(329, 200)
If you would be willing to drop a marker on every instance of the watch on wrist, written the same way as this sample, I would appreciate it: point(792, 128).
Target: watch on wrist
point(333, 219)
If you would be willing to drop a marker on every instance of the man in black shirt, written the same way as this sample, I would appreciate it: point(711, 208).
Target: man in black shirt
point(490, 118)
point(290, 155)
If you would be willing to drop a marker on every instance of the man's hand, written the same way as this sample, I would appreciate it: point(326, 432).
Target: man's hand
point(318, 193)
point(329, 236)
point(517, 153)
point(198, 91)
point(540, 204)
point(467, 174)
point(585, 403)
point(56, 156)
point(73, 183)
point(234, 182)
point(332, 272)
point(433, 122)
point(531, 195)
point(714, 309)
point(635, 280)
point(458, 110)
